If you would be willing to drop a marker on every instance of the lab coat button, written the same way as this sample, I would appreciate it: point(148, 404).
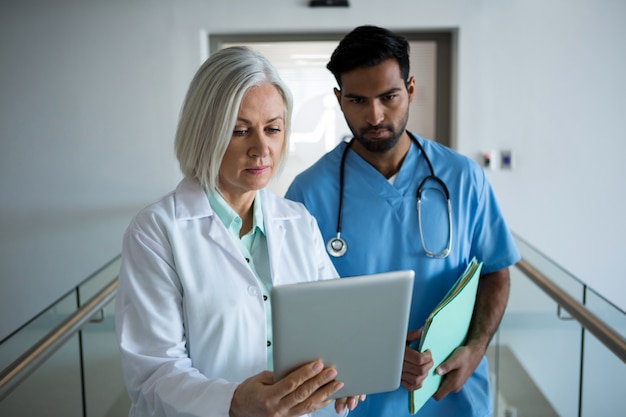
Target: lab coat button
point(253, 291)
point(269, 343)
point(264, 297)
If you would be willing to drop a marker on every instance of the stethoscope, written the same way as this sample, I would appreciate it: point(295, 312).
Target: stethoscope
point(337, 246)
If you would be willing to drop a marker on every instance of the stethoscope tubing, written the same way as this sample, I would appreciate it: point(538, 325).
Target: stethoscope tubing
point(337, 246)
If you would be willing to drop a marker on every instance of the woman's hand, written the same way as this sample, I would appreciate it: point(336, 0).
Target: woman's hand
point(302, 391)
point(350, 402)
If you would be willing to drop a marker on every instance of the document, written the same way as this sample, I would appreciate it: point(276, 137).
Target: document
point(446, 329)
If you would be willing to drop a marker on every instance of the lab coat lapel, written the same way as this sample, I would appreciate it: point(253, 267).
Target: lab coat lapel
point(218, 233)
point(193, 204)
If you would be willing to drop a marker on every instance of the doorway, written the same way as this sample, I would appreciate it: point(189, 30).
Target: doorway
point(317, 122)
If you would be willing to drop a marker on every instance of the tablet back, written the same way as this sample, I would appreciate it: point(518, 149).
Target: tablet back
point(358, 324)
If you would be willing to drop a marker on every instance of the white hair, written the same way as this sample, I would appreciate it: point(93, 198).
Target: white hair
point(211, 106)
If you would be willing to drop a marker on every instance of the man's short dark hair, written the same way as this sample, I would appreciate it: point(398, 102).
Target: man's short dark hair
point(367, 46)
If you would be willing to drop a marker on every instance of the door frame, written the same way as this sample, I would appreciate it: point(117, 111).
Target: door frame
point(445, 40)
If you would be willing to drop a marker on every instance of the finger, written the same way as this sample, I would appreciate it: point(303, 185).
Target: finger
point(317, 399)
point(415, 369)
point(314, 390)
point(340, 405)
point(455, 371)
point(444, 388)
point(413, 358)
point(293, 380)
point(414, 335)
point(350, 402)
point(412, 382)
point(453, 362)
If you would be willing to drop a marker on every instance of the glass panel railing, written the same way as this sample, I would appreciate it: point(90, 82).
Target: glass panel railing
point(542, 360)
point(604, 374)
point(543, 363)
point(105, 395)
point(538, 355)
point(54, 389)
point(81, 378)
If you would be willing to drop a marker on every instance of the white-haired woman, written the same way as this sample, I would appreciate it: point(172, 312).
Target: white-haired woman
point(193, 308)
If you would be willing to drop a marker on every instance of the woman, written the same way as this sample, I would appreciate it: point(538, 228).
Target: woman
point(192, 310)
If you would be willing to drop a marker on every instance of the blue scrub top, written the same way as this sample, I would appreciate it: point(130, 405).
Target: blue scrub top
point(380, 226)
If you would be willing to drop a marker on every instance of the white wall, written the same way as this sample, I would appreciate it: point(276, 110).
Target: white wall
point(91, 92)
point(550, 85)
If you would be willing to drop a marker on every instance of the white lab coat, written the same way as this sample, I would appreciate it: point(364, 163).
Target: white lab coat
point(190, 316)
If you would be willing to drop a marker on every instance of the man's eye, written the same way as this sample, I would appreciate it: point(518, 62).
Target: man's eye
point(357, 100)
point(390, 96)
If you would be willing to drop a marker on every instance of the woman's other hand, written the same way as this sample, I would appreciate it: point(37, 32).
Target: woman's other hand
point(302, 391)
point(349, 402)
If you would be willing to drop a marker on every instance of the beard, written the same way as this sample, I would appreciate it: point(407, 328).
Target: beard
point(383, 144)
point(377, 145)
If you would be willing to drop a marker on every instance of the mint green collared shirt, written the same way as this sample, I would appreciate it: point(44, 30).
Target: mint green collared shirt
point(253, 247)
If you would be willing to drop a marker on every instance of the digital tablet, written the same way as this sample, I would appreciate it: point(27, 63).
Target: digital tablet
point(356, 324)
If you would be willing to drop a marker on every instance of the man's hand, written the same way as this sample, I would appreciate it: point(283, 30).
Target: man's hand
point(457, 369)
point(491, 299)
point(416, 365)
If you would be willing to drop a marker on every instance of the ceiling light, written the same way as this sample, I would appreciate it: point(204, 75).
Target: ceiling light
point(329, 3)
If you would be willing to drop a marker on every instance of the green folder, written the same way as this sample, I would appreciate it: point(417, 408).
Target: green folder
point(446, 329)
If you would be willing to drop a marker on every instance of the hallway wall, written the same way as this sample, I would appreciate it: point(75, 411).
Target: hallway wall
point(91, 93)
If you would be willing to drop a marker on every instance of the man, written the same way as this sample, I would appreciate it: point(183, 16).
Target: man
point(364, 197)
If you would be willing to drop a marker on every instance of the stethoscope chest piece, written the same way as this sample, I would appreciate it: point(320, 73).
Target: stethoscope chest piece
point(336, 246)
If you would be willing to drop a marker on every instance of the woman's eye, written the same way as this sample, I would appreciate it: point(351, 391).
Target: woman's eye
point(273, 129)
point(239, 132)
